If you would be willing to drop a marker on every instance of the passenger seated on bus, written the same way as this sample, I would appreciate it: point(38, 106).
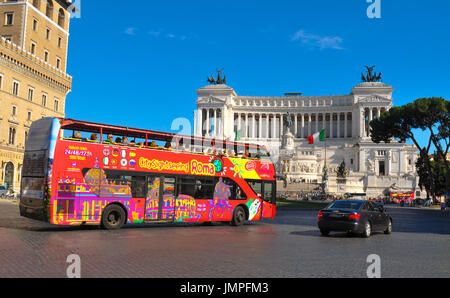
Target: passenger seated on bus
point(153, 144)
point(125, 141)
point(118, 140)
point(109, 139)
point(94, 137)
point(168, 145)
point(77, 135)
point(133, 143)
point(140, 144)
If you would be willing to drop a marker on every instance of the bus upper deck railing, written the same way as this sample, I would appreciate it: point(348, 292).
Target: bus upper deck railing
point(142, 146)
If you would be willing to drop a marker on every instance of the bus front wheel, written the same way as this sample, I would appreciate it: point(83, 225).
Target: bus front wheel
point(113, 217)
point(239, 216)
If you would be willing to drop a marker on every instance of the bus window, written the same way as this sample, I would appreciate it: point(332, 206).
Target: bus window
point(186, 186)
point(138, 187)
point(268, 191)
point(204, 188)
point(236, 193)
point(116, 185)
point(257, 187)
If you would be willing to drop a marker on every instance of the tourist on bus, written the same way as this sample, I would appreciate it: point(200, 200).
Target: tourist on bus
point(125, 141)
point(109, 139)
point(94, 137)
point(77, 135)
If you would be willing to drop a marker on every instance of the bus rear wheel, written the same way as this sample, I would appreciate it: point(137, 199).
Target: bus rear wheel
point(239, 216)
point(113, 217)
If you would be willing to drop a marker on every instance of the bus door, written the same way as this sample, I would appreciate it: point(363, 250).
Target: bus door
point(160, 200)
point(268, 200)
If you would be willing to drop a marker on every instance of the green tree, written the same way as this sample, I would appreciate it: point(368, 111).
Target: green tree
point(426, 114)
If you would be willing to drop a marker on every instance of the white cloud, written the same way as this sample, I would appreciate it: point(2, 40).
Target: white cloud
point(321, 42)
point(154, 33)
point(131, 31)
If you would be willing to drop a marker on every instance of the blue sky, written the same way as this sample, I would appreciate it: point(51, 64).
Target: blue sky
point(139, 63)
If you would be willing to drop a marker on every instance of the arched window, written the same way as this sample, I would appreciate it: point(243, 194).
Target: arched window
point(9, 174)
point(49, 9)
point(61, 18)
point(37, 4)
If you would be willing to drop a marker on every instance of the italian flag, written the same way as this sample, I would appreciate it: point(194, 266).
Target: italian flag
point(318, 136)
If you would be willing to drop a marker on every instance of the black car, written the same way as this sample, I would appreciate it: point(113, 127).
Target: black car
point(354, 216)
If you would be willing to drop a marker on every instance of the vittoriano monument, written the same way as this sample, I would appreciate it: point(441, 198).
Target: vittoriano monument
point(219, 80)
point(371, 77)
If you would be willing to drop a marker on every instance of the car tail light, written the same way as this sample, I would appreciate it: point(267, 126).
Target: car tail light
point(320, 215)
point(354, 216)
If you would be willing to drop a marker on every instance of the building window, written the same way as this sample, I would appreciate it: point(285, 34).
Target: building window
point(1, 81)
point(7, 37)
point(12, 136)
point(29, 115)
point(59, 41)
point(30, 94)
point(35, 24)
point(46, 54)
point(47, 34)
point(382, 152)
point(26, 137)
point(14, 111)
point(58, 63)
point(9, 18)
point(49, 9)
point(381, 168)
point(15, 89)
point(61, 18)
point(36, 3)
point(44, 100)
point(56, 105)
point(33, 48)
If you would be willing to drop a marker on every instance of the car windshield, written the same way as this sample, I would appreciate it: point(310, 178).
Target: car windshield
point(353, 205)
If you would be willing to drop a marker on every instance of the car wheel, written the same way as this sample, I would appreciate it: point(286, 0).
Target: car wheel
point(113, 217)
point(238, 216)
point(324, 232)
point(367, 230)
point(389, 228)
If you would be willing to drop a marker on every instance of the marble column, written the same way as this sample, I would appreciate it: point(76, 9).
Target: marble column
point(317, 122)
point(331, 125)
point(338, 125)
point(253, 125)
point(246, 125)
point(302, 130)
point(214, 133)
point(207, 123)
point(345, 125)
point(281, 125)
point(295, 125)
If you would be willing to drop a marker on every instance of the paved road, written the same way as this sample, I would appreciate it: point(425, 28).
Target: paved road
point(289, 246)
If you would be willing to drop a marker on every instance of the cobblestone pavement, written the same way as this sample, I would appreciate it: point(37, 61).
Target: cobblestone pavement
point(289, 246)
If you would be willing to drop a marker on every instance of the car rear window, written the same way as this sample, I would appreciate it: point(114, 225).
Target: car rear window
point(352, 205)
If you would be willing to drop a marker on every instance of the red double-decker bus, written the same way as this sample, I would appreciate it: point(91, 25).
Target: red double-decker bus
point(78, 172)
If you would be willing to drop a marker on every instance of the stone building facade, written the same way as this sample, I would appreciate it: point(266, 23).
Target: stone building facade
point(33, 78)
point(373, 169)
